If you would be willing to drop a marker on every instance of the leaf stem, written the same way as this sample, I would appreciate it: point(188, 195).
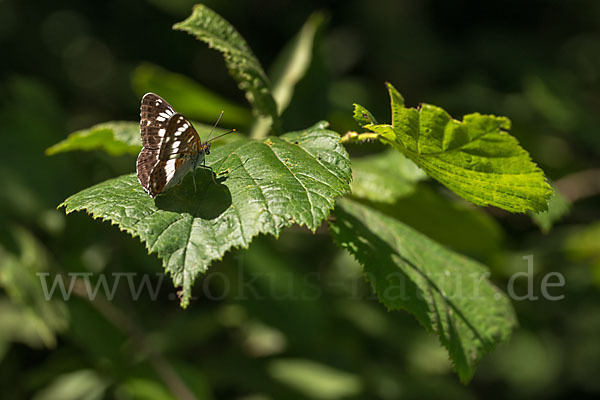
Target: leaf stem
point(352, 136)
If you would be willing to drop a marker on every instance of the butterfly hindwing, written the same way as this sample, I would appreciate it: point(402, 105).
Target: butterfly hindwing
point(146, 161)
point(155, 114)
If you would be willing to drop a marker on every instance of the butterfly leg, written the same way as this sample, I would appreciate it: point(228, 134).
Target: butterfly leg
point(212, 172)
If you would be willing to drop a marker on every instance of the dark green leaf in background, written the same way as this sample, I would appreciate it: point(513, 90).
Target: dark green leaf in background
point(384, 177)
point(558, 207)
point(449, 294)
point(188, 96)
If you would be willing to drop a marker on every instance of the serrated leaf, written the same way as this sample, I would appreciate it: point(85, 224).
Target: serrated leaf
point(271, 184)
point(448, 293)
point(451, 222)
point(384, 177)
point(188, 96)
point(475, 158)
point(116, 138)
point(363, 116)
point(209, 27)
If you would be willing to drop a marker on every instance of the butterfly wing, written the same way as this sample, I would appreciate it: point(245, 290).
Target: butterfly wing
point(155, 113)
point(177, 154)
point(181, 139)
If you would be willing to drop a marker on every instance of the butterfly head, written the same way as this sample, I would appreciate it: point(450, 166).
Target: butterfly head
point(206, 148)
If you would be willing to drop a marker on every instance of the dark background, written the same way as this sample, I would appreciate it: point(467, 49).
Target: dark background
point(67, 65)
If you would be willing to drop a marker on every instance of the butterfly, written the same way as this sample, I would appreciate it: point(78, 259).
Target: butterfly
point(171, 146)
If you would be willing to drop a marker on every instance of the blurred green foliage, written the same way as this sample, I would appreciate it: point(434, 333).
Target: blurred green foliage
point(69, 65)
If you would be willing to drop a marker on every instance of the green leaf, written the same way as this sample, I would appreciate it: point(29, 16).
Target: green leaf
point(38, 320)
point(188, 96)
point(558, 207)
point(384, 177)
point(451, 222)
point(271, 184)
point(116, 138)
point(293, 62)
point(448, 293)
point(211, 28)
point(363, 116)
point(475, 158)
point(315, 380)
point(289, 68)
point(83, 384)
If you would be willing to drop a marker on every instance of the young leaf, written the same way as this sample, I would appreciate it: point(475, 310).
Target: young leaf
point(384, 177)
point(188, 96)
point(448, 293)
point(293, 62)
point(363, 116)
point(475, 158)
point(271, 184)
point(116, 138)
point(209, 27)
point(289, 68)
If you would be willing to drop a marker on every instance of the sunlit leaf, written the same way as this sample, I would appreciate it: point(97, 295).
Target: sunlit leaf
point(116, 138)
point(271, 184)
point(449, 294)
point(475, 158)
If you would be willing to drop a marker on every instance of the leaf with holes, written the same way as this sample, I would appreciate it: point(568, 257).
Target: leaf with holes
point(270, 184)
point(449, 294)
point(209, 27)
point(475, 158)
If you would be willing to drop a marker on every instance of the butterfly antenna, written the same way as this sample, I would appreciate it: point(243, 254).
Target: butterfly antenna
point(221, 135)
point(215, 125)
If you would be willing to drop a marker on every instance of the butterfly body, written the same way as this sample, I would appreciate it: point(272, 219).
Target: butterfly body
point(171, 146)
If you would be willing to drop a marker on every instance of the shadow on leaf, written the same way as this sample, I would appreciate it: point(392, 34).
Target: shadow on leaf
point(210, 199)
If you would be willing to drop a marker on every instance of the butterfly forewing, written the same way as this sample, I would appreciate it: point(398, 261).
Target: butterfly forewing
point(155, 113)
point(181, 139)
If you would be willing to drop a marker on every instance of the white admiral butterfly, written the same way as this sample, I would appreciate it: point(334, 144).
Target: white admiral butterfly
point(171, 146)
